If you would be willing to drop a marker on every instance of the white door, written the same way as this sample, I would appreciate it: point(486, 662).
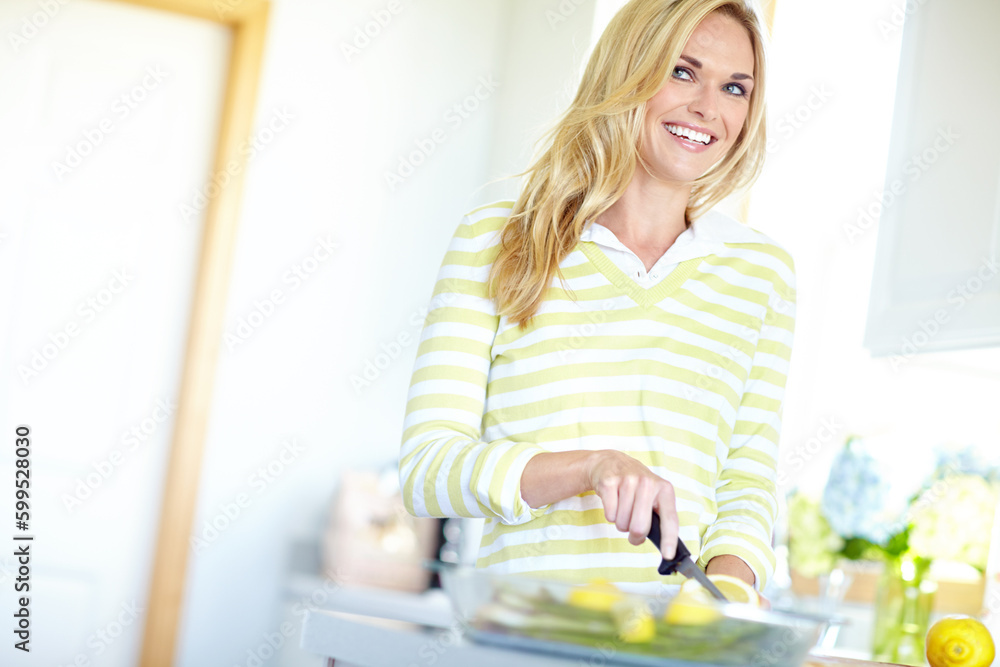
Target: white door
point(108, 114)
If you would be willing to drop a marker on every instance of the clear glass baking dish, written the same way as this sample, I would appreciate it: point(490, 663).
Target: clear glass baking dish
point(521, 612)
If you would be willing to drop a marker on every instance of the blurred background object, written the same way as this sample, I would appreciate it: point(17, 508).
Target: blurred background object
point(372, 540)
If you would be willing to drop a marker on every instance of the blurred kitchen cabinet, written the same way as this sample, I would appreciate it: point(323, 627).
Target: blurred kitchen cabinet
point(936, 284)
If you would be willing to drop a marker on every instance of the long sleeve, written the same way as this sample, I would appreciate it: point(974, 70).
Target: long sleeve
point(445, 468)
point(746, 492)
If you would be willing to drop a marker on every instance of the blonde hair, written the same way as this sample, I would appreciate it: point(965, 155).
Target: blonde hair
point(592, 151)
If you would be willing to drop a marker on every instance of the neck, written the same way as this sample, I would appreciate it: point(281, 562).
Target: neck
point(651, 213)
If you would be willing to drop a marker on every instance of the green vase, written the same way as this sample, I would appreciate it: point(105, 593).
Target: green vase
point(902, 611)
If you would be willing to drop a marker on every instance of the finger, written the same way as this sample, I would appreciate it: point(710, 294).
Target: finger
point(669, 525)
point(642, 512)
point(609, 498)
point(764, 602)
point(626, 497)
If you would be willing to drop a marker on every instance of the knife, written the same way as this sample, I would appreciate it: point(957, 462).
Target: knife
point(681, 562)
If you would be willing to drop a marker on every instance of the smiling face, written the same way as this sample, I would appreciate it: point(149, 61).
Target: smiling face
point(705, 99)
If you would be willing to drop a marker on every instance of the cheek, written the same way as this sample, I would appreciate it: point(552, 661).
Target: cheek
point(735, 121)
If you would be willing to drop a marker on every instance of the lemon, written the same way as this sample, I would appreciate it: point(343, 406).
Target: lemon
point(734, 588)
point(633, 621)
point(692, 607)
point(959, 641)
point(598, 595)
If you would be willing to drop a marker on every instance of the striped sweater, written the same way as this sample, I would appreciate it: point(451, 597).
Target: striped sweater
point(687, 375)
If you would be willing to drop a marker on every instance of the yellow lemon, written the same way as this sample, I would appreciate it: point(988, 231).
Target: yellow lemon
point(598, 595)
point(959, 641)
point(692, 607)
point(633, 621)
point(734, 588)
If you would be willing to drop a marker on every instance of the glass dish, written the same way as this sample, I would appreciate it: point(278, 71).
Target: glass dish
point(521, 612)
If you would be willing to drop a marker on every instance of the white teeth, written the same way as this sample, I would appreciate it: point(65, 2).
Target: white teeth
point(688, 133)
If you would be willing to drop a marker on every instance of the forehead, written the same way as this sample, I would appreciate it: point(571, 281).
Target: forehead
point(721, 42)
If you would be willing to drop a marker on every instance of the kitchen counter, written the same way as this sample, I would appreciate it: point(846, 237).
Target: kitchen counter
point(355, 640)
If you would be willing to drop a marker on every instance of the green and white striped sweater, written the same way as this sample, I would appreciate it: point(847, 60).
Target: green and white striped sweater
point(687, 376)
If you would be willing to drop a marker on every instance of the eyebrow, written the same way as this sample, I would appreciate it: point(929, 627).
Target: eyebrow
point(739, 76)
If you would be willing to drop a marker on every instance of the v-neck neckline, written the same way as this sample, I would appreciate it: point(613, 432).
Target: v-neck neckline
point(644, 296)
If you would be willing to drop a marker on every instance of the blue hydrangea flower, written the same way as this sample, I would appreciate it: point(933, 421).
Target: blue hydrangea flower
point(855, 497)
point(968, 460)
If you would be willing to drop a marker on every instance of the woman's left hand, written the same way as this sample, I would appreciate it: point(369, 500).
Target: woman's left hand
point(735, 566)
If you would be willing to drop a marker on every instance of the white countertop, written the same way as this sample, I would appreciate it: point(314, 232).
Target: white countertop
point(357, 641)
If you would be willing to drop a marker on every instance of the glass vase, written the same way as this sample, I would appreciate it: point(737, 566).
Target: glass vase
point(833, 586)
point(902, 611)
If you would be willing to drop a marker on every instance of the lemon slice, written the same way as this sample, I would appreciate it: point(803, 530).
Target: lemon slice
point(694, 606)
point(959, 641)
point(734, 588)
point(598, 595)
point(633, 621)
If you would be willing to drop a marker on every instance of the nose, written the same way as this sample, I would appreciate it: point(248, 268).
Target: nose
point(705, 103)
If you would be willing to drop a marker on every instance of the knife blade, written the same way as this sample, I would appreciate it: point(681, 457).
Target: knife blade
point(681, 562)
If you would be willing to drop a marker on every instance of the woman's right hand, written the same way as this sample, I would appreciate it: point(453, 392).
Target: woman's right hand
point(630, 492)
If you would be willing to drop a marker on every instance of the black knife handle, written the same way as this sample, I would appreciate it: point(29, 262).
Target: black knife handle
point(667, 566)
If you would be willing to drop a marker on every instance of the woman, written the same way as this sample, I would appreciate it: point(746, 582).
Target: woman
point(651, 374)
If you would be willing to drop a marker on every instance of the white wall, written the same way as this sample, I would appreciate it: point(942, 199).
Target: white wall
point(558, 35)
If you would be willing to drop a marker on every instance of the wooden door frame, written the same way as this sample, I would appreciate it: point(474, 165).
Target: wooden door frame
point(247, 19)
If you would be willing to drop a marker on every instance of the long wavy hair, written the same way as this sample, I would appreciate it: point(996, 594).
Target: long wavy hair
point(590, 155)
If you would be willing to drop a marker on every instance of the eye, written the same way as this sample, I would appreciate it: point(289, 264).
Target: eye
point(679, 71)
point(737, 90)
